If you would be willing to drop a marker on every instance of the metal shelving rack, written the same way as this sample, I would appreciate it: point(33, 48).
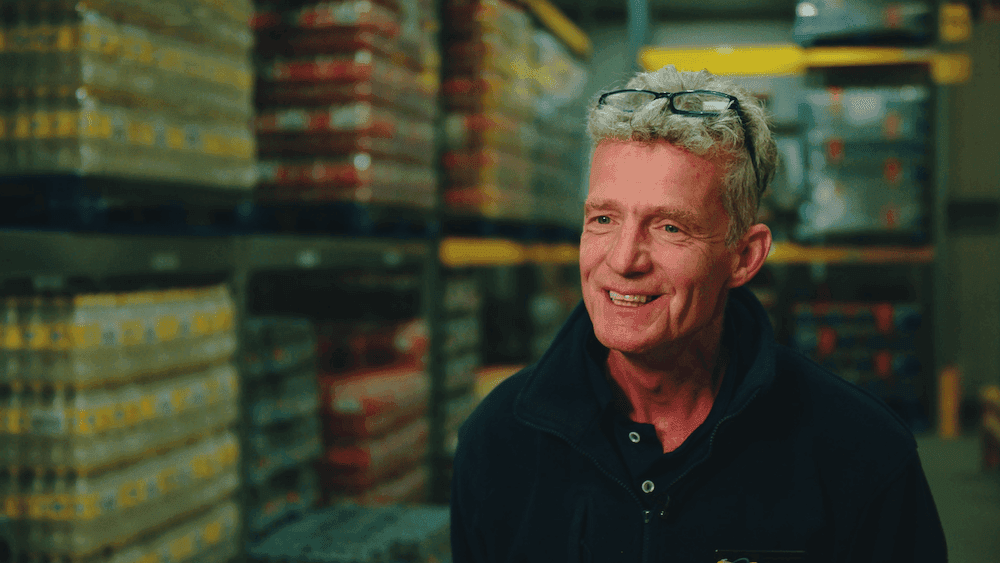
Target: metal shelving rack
point(946, 67)
point(46, 260)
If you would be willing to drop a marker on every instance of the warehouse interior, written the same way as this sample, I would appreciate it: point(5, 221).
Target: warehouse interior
point(261, 259)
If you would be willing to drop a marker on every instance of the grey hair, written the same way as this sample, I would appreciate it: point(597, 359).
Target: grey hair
point(720, 138)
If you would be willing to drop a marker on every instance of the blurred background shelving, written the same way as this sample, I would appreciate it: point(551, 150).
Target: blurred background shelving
point(280, 250)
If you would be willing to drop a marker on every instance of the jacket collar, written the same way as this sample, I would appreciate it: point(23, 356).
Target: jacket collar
point(559, 398)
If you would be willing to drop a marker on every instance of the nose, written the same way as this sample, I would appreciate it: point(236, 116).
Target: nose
point(628, 252)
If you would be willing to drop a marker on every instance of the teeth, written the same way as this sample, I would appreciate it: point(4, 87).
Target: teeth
point(632, 298)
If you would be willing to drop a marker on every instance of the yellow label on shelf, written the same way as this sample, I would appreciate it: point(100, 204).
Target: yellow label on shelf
point(22, 126)
point(147, 407)
point(38, 507)
point(956, 22)
point(201, 466)
point(179, 398)
point(39, 336)
point(202, 324)
point(44, 125)
point(213, 533)
point(104, 419)
point(182, 548)
point(85, 336)
point(175, 138)
point(85, 422)
point(96, 125)
point(167, 327)
point(68, 38)
point(215, 145)
point(140, 133)
point(62, 508)
point(133, 413)
point(87, 507)
point(132, 332)
point(131, 494)
point(13, 507)
point(14, 421)
point(167, 480)
point(12, 338)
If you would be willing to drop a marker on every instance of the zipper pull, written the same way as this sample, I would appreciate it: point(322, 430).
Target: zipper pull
point(647, 516)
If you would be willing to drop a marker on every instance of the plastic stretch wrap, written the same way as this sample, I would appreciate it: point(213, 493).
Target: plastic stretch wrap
point(74, 514)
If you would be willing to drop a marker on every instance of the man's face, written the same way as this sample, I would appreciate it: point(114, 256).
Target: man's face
point(654, 231)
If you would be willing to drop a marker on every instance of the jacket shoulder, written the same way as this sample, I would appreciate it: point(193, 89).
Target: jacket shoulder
point(497, 408)
point(843, 414)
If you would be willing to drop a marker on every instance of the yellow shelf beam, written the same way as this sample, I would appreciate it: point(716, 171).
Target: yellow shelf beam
point(782, 60)
point(460, 252)
point(790, 253)
point(561, 26)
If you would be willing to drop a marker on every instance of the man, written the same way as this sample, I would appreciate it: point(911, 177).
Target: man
point(664, 423)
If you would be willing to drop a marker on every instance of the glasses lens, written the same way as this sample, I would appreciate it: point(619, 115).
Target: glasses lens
point(700, 102)
point(629, 101)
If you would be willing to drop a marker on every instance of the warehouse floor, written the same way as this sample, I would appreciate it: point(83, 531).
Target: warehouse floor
point(968, 499)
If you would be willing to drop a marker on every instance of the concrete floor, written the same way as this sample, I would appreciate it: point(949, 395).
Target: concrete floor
point(967, 498)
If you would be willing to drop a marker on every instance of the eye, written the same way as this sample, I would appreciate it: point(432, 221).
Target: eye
point(671, 229)
point(603, 219)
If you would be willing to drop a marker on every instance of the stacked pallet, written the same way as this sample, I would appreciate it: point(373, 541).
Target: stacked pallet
point(126, 89)
point(346, 102)
point(282, 399)
point(117, 439)
point(375, 398)
point(490, 96)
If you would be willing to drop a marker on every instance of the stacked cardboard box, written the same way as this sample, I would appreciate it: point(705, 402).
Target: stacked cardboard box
point(561, 149)
point(122, 88)
point(346, 101)
point(875, 345)
point(867, 153)
point(282, 398)
point(490, 96)
point(117, 439)
point(375, 394)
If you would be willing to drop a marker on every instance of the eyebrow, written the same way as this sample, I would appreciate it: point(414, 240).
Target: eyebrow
point(665, 212)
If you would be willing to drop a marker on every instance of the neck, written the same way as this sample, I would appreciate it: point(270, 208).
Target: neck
point(675, 387)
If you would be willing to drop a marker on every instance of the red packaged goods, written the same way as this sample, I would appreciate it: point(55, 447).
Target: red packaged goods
point(356, 177)
point(413, 98)
point(486, 52)
point(475, 131)
point(487, 167)
point(350, 15)
point(489, 201)
point(360, 117)
point(369, 426)
point(354, 345)
point(289, 42)
point(490, 91)
point(341, 67)
point(472, 18)
point(370, 392)
point(363, 463)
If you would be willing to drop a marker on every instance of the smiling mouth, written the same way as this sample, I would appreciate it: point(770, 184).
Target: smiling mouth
point(630, 300)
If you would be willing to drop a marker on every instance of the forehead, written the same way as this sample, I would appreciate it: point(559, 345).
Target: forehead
point(653, 174)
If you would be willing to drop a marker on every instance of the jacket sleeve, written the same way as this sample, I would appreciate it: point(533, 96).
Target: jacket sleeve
point(901, 524)
point(466, 546)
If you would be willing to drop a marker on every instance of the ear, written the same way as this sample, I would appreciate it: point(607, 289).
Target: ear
point(750, 254)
